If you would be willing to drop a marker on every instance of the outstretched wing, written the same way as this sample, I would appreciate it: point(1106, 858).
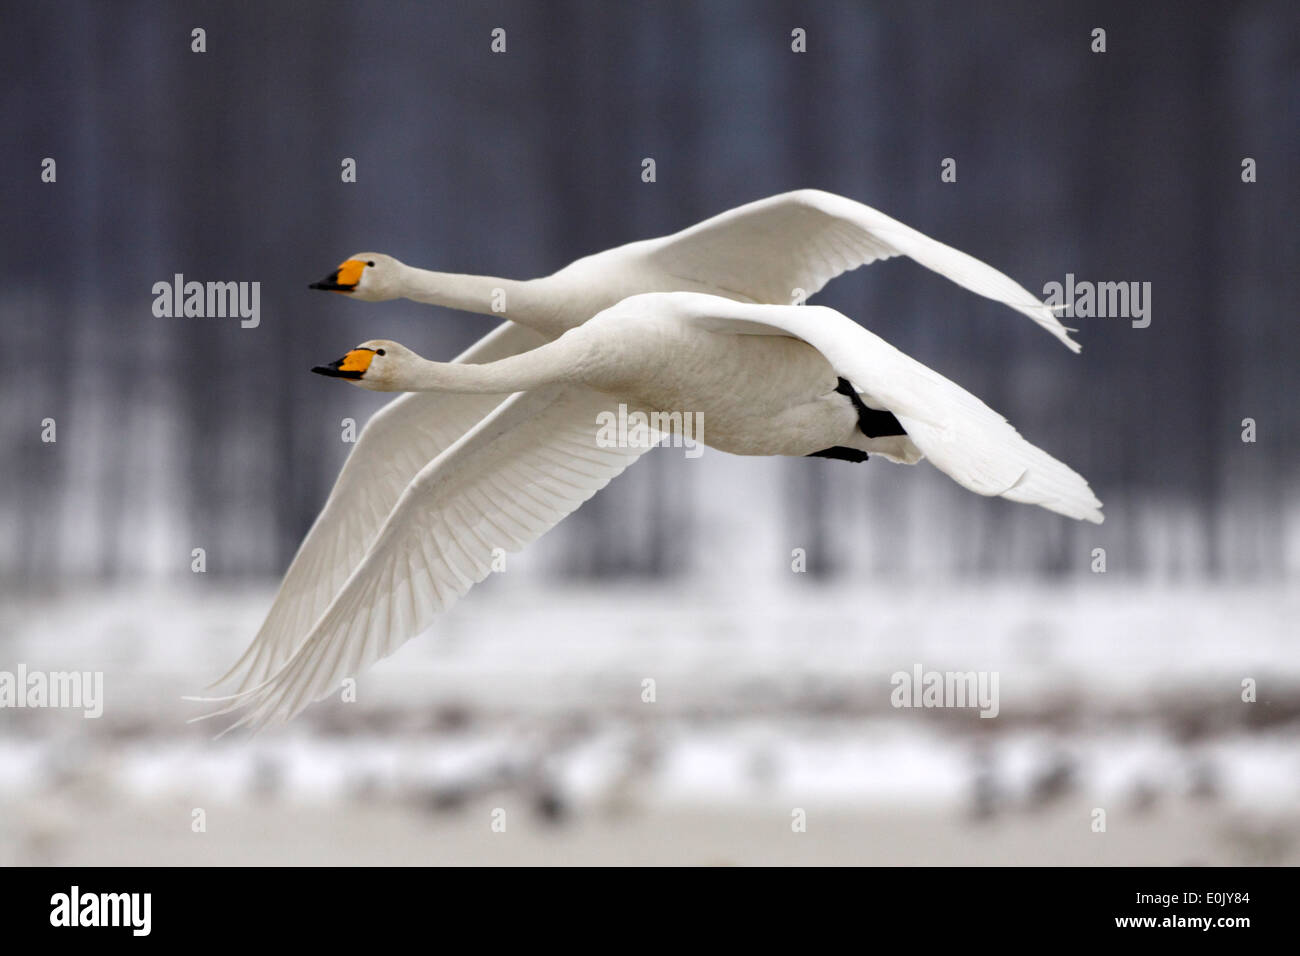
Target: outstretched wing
point(399, 440)
point(803, 239)
point(962, 437)
point(526, 466)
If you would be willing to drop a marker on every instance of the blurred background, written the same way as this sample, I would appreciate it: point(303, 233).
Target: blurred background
point(1120, 690)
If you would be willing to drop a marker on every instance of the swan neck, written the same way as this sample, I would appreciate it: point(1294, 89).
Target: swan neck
point(554, 362)
point(486, 295)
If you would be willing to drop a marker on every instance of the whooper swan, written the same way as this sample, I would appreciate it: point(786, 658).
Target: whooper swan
point(766, 379)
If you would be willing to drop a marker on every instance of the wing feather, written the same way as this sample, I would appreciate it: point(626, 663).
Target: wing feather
point(502, 485)
point(399, 440)
point(803, 239)
point(962, 437)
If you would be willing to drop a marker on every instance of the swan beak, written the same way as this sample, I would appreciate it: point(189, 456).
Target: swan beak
point(353, 365)
point(342, 279)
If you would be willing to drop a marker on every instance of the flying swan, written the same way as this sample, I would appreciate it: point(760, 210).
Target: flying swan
point(772, 250)
point(767, 379)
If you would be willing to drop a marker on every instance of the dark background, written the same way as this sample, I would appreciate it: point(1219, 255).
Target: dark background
point(1123, 166)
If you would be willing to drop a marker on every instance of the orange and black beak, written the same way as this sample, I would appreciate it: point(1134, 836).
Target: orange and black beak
point(342, 279)
point(353, 365)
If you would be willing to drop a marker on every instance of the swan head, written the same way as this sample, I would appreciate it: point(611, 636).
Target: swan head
point(370, 276)
point(379, 365)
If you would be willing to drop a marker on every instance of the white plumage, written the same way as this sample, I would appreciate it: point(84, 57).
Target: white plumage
point(760, 252)
point(763, 378)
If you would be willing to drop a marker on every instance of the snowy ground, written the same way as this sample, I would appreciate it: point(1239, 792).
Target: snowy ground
point(529, 700)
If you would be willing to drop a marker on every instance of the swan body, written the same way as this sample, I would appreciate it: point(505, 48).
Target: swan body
point(758, 394)
point(773, 250)
point(767, 380)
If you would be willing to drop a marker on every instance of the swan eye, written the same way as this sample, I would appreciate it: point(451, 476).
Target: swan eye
point(371, 264)
point(380, 352)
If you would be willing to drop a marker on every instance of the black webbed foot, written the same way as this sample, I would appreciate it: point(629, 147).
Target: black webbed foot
point(840, 452)
point(872, 423)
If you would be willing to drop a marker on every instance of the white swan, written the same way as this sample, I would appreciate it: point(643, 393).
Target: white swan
point(762, 252)
point(767, 379)
point(774, 250)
